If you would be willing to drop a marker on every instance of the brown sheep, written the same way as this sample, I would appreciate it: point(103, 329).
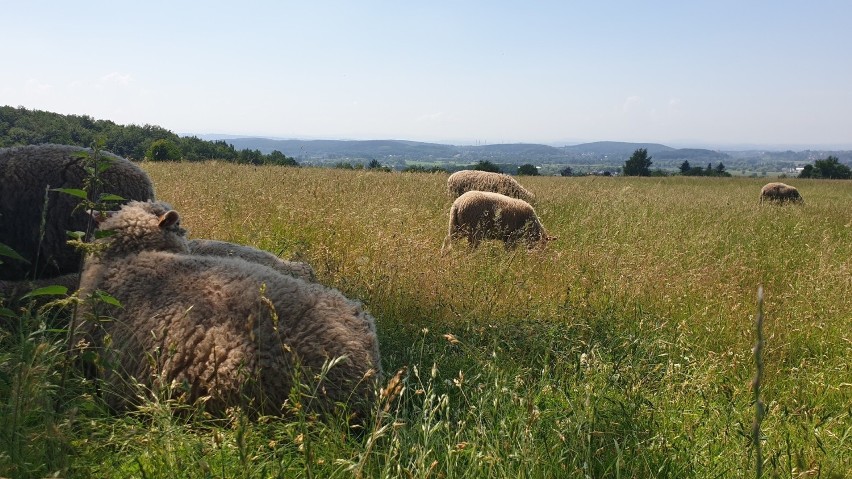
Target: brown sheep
point(780, 193)
point(479, 215)
point(222, 329)
point(474, 180)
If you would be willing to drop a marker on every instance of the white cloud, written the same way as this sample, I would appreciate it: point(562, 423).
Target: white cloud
point(35, 86)
point(632, 103)
point(114, 78)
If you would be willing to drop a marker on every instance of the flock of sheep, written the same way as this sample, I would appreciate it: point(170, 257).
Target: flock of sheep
point(222, 323)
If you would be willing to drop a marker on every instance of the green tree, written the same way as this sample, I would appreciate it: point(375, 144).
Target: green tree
point(684, 167)
point(827, 168)
point(163, 150)
point(528, 170)
point(639, 164)
point(567, 171)
point(278, 158)
point(485, 165)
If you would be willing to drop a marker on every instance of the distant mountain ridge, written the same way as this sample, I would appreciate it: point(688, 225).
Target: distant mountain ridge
point(511, 153)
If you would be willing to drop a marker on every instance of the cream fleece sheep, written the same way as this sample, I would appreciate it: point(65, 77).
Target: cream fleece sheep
point(25, 173)
point(201, 247)
point(474, 180)
point(479, 215)
point(780, 193)
point(210, 329)
point(296, 269)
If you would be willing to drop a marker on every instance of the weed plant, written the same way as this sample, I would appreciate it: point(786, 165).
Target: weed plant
point(623, 349)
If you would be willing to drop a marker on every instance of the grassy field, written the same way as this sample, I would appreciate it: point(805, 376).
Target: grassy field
point(623, 349)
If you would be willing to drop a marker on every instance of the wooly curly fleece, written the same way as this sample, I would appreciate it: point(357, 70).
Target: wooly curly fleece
point(221, 328)
point(25, 173)
point(475, 180)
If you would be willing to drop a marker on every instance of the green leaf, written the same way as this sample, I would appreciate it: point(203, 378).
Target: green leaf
point(72, 191)
point(53, 290)
point(110, 197)
point(10, 253)
point(107, 298)
point(7, 313)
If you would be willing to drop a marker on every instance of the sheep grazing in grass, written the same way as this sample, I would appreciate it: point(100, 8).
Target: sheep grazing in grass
point(473, 180)
point(296, 269)
point(780, 193)
point(479, 215)
point(219, 329)
point(25, 174)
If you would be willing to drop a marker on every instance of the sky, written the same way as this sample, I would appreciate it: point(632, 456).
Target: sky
point(684, 73)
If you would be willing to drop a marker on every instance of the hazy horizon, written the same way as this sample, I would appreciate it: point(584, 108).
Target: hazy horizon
point(719, 75)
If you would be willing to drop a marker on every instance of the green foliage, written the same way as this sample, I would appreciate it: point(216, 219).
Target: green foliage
point(567, 171)
point(163, 150)
point(424, 169)
point(827, 168)
point(528, 170)
point(639, 164)
point(375, 165)
point(485, 165)
point(19, 126)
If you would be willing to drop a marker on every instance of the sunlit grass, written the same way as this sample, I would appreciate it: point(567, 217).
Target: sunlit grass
point(623, 349)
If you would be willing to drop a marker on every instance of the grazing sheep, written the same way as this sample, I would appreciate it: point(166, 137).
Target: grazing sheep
point(296, 269)
point(223, 329)
point(479, 215)
point(780, 193)
point(474, 180)
point(25, 173)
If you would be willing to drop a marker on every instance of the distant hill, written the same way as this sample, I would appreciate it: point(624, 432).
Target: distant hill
point(20, 126)
point(393, 151)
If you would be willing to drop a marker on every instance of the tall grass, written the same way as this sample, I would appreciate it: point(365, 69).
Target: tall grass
point(621, 350)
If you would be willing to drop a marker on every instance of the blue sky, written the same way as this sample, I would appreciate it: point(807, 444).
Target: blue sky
point(702, 73)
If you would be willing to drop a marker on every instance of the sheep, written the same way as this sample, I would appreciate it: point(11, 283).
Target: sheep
point(201, 247)
point(26, 172)
point(224, 330)
point(474, 180)
point(780, 193)
point(479, 215)
point(297, 269)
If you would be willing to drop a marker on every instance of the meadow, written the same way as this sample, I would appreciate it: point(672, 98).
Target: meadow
point(622, 349)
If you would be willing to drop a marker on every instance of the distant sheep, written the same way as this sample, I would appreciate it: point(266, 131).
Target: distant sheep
point(474, 180)
point(479, 215)
point(780, 193)
point(25, 173)
point(223, 329)
point(296, 269)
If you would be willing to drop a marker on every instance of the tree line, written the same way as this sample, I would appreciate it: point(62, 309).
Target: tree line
point(20, 126)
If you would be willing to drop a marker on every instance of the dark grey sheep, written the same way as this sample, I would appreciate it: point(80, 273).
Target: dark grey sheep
point(25, 173)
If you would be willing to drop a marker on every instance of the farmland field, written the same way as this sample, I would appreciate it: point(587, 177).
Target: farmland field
point(622, 349)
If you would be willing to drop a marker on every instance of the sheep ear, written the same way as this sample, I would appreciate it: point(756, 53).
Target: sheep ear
point(100, 216)
point(169, 219)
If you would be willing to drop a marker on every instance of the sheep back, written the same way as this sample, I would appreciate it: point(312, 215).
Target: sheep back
point(475, 180)
point(25, 173)
point(780, 193)
point(481, 215)
point(297, 269)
